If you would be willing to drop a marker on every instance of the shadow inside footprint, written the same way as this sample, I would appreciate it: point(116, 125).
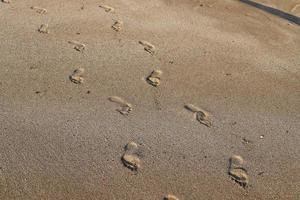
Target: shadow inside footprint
point(78, 46)
point(125, 107)
point(170, 197)
point(76, 76)
point(117, 26)
point(39, 10)
point(150, 48)
point(201, 116)
point(107, 8)
point(204, 118)
point(154, 78)
point(5, 1)
point(237, 172)
point(44, 28)
point(130, 158)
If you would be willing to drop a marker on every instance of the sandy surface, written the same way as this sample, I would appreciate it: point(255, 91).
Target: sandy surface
point(62, 140)
point(290, 6)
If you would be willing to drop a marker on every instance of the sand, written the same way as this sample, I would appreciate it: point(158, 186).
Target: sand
point(64, 139)
point(290, 6)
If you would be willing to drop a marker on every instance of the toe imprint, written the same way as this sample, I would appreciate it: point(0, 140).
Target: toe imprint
point(150, 48)
point(76, 76)
point(44, 29)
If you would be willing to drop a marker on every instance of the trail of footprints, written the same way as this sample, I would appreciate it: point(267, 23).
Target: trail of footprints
point(117, 24)
point(130, 157)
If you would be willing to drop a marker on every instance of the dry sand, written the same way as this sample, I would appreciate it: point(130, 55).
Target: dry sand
point(236, 64)
point(290, 6)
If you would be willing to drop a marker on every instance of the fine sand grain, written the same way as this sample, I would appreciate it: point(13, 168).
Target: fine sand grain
point(205, 93)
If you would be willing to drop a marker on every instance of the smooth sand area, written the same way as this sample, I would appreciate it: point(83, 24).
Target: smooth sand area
point(144, 100)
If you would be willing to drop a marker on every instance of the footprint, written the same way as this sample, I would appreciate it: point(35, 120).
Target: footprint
point(202, 116)
point(77, 45)
point(237, 172)
point(117, 26)
point(39, 10)
point(150, 48)
point(154, 78)
point(170, 197)
point(107, 8)
point(76, 76)
point(5, 1)
point(125, 108)
point(130, 158)
point(44, 29)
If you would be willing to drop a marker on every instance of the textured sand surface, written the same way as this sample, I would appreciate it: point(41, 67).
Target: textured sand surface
point(290, 6)
point(65, 139)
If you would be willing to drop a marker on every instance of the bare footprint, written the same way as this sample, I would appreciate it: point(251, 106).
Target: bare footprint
point(130, 158)
point(170, 197)
point(150, 48)
point(44, 28)
point(125, 107)
point(76, 76)
point(107, 8)
point(5, 1)
point(202, 116)
point(77, 45)
point(117, 26)
point(237, 172)
point(39, 10)
point(154, 78)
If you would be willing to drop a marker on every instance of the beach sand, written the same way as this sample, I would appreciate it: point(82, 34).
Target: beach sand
point(290, 6)
point(188, 84)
